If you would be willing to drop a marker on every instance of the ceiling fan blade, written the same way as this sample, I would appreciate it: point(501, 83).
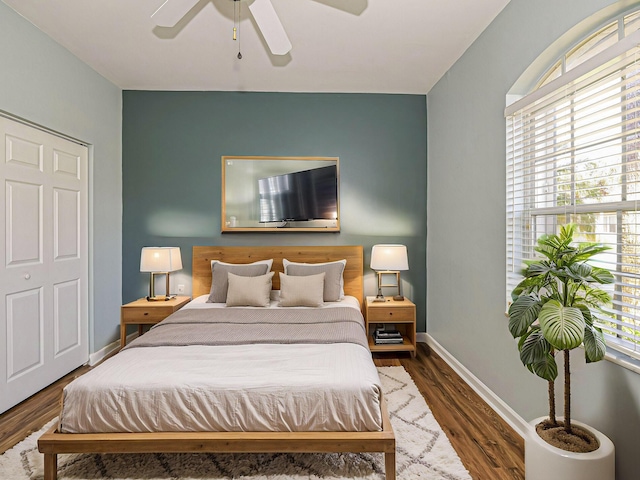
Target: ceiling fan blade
point(270, 27)
point(171, 11)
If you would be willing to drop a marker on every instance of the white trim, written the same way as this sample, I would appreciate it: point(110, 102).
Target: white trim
point(596, 61)
point(619, 358)
point(495, 402)
point(28, 123)
point(108, 350)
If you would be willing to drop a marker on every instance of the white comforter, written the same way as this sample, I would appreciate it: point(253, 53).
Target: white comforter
point(270, 387)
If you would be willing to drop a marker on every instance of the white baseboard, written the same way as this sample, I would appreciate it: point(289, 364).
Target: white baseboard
point(494, 401)
point(422, 337)
point(108, 350)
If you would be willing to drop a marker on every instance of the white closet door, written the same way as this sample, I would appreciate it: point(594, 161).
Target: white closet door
point(44, 269)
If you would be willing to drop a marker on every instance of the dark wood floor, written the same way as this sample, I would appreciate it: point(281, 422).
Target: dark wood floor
point(30, 416)
point(486, 444)
point(488, 447)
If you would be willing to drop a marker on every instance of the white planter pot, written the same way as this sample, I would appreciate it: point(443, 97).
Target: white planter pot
point(543, 461)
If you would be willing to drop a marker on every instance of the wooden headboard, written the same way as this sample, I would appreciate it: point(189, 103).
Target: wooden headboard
point(202, 256)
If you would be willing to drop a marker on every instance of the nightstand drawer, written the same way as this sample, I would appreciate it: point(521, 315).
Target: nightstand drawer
point(144, 315)
point(391, 314)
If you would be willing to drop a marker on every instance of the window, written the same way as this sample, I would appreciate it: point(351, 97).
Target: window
point(572, 157)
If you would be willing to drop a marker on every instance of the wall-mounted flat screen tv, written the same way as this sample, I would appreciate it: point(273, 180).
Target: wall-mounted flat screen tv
point(299, 196)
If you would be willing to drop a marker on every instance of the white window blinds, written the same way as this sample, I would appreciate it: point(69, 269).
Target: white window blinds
point(572, 157)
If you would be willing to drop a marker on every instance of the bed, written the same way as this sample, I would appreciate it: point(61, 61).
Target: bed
point(365, 427)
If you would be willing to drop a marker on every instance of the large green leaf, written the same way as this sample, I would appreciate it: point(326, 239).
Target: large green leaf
point(594, 345)
point(538, 269)
point(547, 246)
point(580, 271)
point(601, 275)
point(522, 313)
point(526, 286)
point(596, 297)
point(545, 368)
point(563, 327)
point(534, 349)
point(566, 231)
point(586, 313)
point(588, 250)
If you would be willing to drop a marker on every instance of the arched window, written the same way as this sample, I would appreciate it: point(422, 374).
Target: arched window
point(573, 147)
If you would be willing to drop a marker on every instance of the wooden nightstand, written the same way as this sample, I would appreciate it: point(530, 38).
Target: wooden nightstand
point(142, 312)
point(402, 314)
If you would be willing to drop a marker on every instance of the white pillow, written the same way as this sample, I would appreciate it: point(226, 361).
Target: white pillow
point(333, 281)
point(249, 291)
point(301, 291)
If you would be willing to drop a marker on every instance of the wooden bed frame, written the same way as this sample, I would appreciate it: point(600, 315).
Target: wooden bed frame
point(53, 443)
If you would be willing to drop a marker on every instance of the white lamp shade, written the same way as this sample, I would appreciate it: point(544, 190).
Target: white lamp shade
point(389, 258)
point(160, 259)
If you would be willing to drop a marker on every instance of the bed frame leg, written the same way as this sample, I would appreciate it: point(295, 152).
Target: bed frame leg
point(389, 465)
point(50, 466)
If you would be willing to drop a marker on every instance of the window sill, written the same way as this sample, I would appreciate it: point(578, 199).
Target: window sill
point(623, 360)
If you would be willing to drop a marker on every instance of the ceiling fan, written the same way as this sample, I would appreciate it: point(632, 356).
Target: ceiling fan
point(171, 11)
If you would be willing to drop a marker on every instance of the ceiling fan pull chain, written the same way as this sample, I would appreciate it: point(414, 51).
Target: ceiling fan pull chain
point(235, 19)
point(236, 27)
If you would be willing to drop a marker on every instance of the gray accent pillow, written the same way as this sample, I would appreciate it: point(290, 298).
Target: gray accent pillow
point(333, 281)
point(301, 291)
point(220, 283)
point(249, 291)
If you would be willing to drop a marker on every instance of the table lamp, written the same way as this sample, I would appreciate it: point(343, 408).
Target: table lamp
point(160, 260)
point(385, 260)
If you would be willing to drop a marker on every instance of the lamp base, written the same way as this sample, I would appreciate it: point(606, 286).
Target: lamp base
point(398, 298)
point(160, 298)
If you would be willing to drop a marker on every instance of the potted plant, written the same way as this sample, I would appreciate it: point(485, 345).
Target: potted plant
point(553, 311)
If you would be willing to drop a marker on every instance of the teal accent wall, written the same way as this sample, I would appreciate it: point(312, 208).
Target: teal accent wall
point(45, 84)
point(172, 148)
point(466, 286)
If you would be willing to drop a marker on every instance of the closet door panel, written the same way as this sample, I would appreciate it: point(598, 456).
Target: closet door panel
point(25, 329)
point(44, 277)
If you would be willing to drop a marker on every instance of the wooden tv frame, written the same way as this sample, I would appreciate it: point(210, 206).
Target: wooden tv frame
point(52, 443)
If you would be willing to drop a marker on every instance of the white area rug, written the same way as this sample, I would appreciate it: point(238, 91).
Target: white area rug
point(422, 451)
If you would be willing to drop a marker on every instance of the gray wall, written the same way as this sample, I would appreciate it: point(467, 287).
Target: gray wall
point(466, 239)
point(172, 148)
point(45, 84)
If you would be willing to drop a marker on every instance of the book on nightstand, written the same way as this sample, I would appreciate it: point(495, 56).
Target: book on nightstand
point(388, 341)
point(387, 337)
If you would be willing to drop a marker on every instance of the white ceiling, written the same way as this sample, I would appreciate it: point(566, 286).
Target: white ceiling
point(377, 46)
